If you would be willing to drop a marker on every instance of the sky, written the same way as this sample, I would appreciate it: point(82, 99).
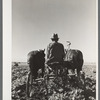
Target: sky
point(34, 22)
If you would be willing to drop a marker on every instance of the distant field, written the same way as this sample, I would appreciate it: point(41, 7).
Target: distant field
point(19, 76)
point(90, 70)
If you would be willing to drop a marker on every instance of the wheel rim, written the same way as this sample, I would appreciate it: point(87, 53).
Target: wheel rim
point(29, 84)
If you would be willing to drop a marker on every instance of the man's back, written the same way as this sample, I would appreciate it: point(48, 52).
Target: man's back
point(55, 52)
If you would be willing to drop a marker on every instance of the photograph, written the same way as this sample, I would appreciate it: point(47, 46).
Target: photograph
point(54, 50)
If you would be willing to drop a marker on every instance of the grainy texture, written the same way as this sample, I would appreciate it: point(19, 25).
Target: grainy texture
point(19, 77)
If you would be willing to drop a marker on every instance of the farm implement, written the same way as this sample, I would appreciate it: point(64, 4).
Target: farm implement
point(56, 84)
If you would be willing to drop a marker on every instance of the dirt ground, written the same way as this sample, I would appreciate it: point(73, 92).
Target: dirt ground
point(19, 77)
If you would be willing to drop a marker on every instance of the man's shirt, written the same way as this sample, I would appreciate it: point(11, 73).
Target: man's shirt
point(55, 52)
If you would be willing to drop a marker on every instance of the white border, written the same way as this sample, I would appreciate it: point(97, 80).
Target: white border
point(7, 40)
point(97, 96)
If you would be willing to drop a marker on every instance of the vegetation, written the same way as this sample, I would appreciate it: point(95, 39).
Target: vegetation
point(19, 77)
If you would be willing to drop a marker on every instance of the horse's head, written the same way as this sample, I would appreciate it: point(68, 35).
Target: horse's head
point(42, 52)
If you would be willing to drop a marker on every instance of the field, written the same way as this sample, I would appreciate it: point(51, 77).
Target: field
point(19, 77)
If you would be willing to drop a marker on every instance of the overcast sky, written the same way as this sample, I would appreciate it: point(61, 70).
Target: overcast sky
point(34, 21)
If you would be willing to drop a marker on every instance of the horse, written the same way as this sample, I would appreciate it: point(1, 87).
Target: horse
point(36, 61)
point(74, 60)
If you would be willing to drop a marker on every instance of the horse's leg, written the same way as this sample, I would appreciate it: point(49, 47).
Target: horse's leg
point(78, 70)
point(80, 64)
point(67, 71)
point(35, 72)
point(73, 70)
point(42, 71)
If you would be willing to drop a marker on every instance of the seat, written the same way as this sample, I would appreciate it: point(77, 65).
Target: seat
point(55, 67)
point(55, 64)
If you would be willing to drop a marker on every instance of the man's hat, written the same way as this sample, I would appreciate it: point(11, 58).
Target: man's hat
point(54, 36)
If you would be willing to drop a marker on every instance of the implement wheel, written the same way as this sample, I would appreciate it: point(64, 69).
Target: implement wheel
point(29, 84)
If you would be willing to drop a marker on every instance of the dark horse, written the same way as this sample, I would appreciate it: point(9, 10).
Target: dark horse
point(36, 61)
point(73, 60)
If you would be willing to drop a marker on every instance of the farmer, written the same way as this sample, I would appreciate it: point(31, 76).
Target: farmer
point(55, 50)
